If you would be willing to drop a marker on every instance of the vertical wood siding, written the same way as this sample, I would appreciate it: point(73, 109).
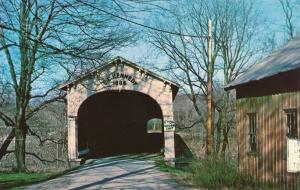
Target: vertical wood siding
point(269, 164)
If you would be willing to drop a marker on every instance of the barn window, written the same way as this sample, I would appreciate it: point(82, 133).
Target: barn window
point(252, 140)
point(291, 121)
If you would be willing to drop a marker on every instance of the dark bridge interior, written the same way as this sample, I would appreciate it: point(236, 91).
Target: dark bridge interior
point(114, 123)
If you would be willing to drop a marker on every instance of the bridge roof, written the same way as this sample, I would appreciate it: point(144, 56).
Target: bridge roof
point(116, 60)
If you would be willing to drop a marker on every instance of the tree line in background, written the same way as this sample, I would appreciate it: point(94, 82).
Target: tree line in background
point(45, 43)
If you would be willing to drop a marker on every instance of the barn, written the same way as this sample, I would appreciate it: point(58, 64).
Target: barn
point(268, 107)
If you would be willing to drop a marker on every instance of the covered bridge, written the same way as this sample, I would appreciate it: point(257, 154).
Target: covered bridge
point(109, 107)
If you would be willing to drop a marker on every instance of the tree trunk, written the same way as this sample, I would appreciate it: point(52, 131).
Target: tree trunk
point(226, 125)
point(219, 130)
point(6, 143)
point(20, 145)
point(225, 139)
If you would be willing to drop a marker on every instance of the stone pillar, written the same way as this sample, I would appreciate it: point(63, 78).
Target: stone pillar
point(72, 137)
point(169, 128)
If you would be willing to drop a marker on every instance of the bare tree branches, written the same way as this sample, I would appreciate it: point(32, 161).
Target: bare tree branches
point(44, 103)
point(288, 11)
point(36, 156)
point(42, 34)
point(50, 38)
point(6, 143)
point(237, 39)
point(235, 25)
point(42, 141)
point(8, 121)
point(9, 59)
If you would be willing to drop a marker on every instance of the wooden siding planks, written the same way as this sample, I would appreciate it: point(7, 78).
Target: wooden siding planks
point(269, 165)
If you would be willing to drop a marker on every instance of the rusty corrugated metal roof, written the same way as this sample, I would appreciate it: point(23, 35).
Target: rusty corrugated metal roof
point(282, 60)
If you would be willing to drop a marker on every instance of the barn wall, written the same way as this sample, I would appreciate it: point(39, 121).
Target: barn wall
point(269, 164)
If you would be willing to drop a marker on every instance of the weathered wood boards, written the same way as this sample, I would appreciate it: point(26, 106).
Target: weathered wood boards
point(269, 164)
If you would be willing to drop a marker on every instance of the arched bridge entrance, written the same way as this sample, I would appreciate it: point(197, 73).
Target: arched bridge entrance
point(109, 108)
point(115, 122)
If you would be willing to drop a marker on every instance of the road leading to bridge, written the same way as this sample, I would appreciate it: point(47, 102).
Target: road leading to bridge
point(120, 172)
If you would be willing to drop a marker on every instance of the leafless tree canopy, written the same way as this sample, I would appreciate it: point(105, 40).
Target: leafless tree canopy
point(235, 25)
point(288, 8)
point(41, 41)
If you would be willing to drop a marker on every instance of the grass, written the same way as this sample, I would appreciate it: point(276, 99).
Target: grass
point(13, 180)
point(212, 173)
point(181, 174)
point(216, 173)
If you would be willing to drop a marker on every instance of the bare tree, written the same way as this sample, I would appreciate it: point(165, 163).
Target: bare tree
point(232, 34)
point(274, 39)
point(238, 49)
point(288, 10)
point(189, 56)
point(40, 40)
point(6, 96)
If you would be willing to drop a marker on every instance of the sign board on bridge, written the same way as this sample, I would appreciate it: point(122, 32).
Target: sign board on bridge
point(169, 125)
point(293, 155)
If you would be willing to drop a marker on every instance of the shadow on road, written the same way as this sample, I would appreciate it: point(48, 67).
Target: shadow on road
point(106, 180)
point(119, 172)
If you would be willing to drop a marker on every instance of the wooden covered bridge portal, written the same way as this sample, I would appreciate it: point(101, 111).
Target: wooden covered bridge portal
point(109, 107)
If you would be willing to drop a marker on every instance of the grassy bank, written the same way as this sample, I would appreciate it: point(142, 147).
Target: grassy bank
point(14, 180)
point(11, 179)
point(213, 173)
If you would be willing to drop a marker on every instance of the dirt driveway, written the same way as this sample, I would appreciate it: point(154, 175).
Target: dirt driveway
point(120, 172)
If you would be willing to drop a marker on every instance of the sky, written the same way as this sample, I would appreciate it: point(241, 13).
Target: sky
point(270, 10)
point(273, 12)
point(142, 52)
